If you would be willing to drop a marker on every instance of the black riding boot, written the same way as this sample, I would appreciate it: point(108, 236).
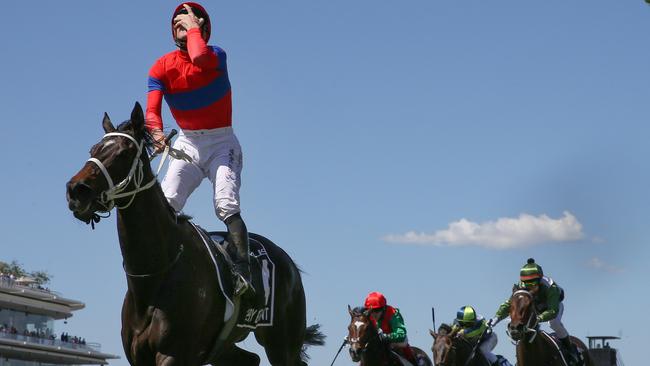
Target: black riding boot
point(570, 352)
point(238, 238)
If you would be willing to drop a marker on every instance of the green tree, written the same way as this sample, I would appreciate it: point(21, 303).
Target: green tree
point(16, 269)
point(41, 277)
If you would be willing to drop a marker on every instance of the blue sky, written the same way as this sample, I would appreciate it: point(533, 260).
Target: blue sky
point(466, 124)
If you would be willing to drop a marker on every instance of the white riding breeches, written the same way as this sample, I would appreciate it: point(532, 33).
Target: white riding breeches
point(487, 346)
point(556, 323)
point(216, 155)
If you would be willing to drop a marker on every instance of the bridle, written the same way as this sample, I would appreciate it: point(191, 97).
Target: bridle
point(136, 175)
point(448, 352)
point(364, 341)
point(532, 323)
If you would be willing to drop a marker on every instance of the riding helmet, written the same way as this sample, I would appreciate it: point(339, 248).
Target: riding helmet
point(200, 12)
point(375, 300)
point(466, 315)
point(531, 271)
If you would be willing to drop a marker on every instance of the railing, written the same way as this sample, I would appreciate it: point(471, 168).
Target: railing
point(7, 282)
point(95, 347)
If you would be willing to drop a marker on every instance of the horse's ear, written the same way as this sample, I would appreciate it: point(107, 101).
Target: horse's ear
point(350, 310)
point(137, 117)
point(107, 124)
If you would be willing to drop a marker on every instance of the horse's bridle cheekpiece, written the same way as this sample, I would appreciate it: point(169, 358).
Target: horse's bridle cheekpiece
point(136, 174)
point(532, 323)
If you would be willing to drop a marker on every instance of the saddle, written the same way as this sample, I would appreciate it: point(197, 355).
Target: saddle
point(568, 361)
point(252, 311)
point(256, 311)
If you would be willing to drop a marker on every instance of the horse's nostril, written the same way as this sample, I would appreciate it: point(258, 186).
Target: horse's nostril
point(78, 191)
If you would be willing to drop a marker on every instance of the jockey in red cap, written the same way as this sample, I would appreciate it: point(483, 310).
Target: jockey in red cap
point(194, 82)
point(390, 324)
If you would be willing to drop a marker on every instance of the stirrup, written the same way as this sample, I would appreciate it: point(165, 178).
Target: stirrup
point(242, 286)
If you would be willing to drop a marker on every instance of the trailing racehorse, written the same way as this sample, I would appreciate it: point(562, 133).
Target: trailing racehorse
point(179, 308)
point(366, 347)
point(454, 351)
point(534, 346)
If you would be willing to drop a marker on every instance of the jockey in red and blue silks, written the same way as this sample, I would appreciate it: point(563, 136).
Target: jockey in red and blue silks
point(194, 82)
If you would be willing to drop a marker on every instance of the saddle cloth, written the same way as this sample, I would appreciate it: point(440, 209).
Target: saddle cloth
point(256, 311)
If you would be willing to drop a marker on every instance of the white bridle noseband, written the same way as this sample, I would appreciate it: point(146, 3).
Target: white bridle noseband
point(136, 175)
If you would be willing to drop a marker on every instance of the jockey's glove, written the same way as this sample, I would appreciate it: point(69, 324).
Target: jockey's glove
point(383, 337)
point(493, 322)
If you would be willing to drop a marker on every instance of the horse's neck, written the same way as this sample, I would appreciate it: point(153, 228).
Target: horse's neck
point(147, 231)
point(376, 353)
point(533, 353)
point(463, 352)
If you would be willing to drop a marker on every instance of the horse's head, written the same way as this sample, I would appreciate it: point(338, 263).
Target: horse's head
point(523, 316)
point(442, 348)
point(116, 163)
point(361, 332)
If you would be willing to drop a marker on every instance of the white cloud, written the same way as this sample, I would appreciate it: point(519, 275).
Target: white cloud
point(504, 233)
point(599, 264)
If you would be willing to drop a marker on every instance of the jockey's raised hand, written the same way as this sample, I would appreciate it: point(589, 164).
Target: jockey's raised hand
point(187, 21)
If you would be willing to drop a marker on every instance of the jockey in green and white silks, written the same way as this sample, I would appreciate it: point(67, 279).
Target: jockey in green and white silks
point(547, 299)
point(471, 326)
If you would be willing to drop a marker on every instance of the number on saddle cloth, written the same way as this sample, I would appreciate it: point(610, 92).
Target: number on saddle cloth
point(256, 312)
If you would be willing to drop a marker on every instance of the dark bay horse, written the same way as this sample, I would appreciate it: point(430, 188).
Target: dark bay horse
point(454, 351)
point(535, 347)
point(366, 347)
point(175, 310)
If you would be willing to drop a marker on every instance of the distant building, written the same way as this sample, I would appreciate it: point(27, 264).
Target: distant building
point(602, 353)
point(27, 337)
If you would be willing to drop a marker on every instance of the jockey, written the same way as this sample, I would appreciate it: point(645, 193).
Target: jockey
point(194, 82)
point(473, 327)
point(547, 298)
point(390, 325)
